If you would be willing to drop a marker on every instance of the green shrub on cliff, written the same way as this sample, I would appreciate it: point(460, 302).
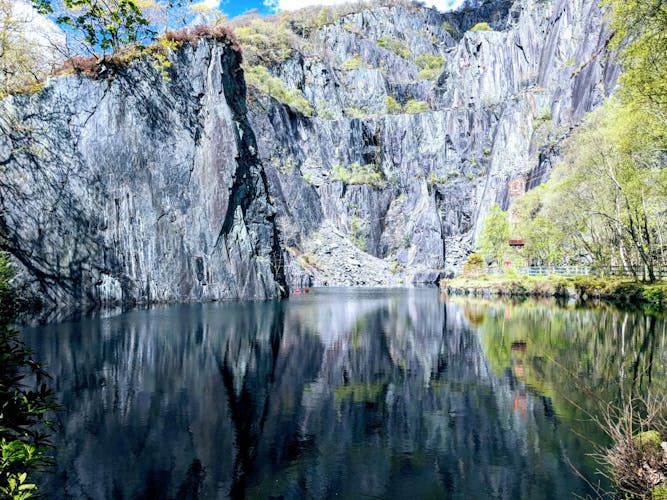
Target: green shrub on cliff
point(354, 63)
point(449, 28)
point(392, 105)
point(481, 27)
point(356, 233)
point(413, 107)
point(359, 174)
point(430, 66)
point(396, 46)
point(265, 42)
point(260, 78)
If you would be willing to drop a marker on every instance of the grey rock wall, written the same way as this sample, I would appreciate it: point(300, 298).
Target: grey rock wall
point(134, 189)
point(502, 103)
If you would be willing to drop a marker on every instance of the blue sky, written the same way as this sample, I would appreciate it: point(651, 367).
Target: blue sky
point(236, 7)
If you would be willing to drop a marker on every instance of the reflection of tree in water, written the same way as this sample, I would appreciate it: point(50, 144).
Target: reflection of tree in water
point(577, 360)
point(384, 394)
point(585, 356)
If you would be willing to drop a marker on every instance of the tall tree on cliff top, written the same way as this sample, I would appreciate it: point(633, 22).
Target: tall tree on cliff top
point(105, 26)
point(110, 26)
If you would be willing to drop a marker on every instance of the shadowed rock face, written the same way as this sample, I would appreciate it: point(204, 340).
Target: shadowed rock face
point(134, 189)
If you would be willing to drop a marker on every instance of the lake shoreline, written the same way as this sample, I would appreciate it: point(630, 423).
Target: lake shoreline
point(613, 290)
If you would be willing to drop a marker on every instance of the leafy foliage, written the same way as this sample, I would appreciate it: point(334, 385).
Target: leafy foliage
point(21, 455)
point(493, 241)
point(105, 25)
point(606, 202)
point(6, 294)
point(639, 27)
point(396, 46)
point(24, 411)
point(22, 61)
point(393, 107)
point(356, 233)
point(430, 66)
point(449, 28)
point(434, 178)
point(265, 42)
point(545, 242)
point(354, 63)
point(474, 265)
point(359, 174)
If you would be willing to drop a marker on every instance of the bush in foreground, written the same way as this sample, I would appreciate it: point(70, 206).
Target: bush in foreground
point(636, 463)
point(25, 403)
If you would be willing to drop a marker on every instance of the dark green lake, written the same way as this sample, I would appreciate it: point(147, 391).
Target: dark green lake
point(348, 393)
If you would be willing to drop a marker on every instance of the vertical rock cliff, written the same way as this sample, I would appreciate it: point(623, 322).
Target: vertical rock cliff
point(485, 127)
point(136, 189)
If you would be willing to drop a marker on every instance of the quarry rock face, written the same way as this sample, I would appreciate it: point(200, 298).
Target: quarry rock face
point(133, 188)
point(501, 103)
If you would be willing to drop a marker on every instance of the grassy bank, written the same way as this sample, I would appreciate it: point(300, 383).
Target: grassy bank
point(620, 290)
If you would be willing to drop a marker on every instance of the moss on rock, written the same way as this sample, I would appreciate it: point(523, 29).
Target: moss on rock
point(648, 441)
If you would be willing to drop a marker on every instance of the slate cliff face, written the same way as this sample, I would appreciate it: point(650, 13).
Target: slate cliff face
point(499, 108)
point(133, 189)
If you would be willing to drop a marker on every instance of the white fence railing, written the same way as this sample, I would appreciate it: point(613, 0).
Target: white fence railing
point(660, 273)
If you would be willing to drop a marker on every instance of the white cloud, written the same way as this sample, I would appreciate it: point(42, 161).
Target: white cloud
point(277, 5)
point(209, 4)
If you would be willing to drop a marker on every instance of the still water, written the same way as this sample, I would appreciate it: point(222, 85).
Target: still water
point(348, 393)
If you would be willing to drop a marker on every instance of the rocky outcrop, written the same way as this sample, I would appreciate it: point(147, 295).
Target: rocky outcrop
point(135, 188)
point(493, 119)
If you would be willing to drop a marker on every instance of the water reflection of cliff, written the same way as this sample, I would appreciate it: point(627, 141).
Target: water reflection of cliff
point(355, 393)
